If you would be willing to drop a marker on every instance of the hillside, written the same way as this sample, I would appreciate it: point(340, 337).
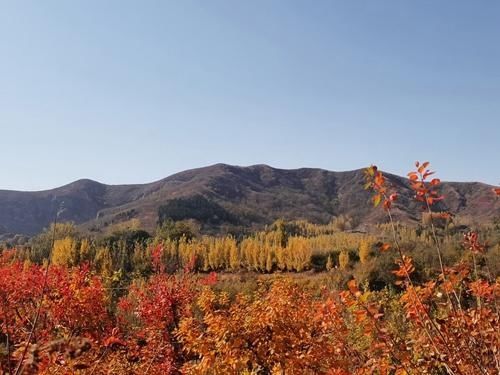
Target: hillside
point(247, 196)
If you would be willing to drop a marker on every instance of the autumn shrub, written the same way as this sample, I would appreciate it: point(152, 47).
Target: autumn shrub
point(280, 329)
point(453, 318)
point(39, 308)
point(147, 317)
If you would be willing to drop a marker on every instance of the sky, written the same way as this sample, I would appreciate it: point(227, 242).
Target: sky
point(133, 91)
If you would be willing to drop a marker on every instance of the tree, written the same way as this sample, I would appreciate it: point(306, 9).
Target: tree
point(344, 259)
point(364, 251)
point(175, 230)
point(41, 245)
point(329, 263)
point(269, 262)
point(234, 256)
point(104, 262)
point(65, 252)
point(86, 251)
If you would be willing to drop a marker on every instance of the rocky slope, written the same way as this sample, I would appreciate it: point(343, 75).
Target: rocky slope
point(256, 195)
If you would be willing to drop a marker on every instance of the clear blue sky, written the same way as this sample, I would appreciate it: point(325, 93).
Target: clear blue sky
point(133, 91)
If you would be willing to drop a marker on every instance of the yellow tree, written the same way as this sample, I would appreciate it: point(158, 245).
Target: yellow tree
point(329, 263)
point(299, 252)
point(364, 251)
point(104, 262)
point(249, 250)
point(234, 256)
point(343, 259)
point(280, 255)
point(85, 251)
point(204, 250)
point(64, 252)
point(269, 262)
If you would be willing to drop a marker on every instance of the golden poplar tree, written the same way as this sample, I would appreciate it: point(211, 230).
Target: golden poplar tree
point(329, 263)
point(343, 259)
point(269, 262)
point(85, 251)
point(234, 257)
point(64, 252)
point(104, 262)
point(364, 251)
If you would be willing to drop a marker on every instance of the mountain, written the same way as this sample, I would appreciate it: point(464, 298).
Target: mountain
point(246, 196)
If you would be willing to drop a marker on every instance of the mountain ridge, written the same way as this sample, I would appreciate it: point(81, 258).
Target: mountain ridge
point(258, 194)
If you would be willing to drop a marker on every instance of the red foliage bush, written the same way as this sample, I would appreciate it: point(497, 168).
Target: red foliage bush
point(69, 302)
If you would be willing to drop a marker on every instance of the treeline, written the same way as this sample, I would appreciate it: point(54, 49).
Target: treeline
point(283, 247)
point(293, 247)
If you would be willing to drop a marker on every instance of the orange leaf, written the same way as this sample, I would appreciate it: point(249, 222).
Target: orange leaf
point(110, 341)
point(421, 169)
point(435, 181)
point(353, 287)
point(385, 247)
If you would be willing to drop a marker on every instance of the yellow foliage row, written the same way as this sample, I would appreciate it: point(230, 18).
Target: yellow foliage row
point(262, 252)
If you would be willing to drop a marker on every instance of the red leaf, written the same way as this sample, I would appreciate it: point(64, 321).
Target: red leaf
point(435, 181)
point(110, 341)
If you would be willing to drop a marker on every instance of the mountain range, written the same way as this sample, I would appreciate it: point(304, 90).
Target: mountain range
point(243, 196)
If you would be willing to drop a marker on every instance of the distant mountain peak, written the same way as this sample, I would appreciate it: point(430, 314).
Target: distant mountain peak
point(256, 194)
